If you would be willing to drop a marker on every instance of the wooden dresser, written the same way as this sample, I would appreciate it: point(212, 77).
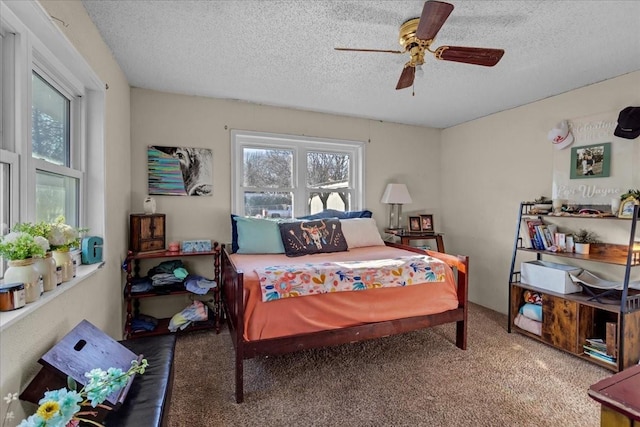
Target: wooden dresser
point(147, 232)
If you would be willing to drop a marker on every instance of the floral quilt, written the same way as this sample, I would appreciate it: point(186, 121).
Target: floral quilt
point(295, 280)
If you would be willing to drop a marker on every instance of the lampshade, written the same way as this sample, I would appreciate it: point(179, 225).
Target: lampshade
point(396, 194)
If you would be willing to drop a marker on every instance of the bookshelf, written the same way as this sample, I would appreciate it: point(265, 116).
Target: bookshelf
point(573, 322)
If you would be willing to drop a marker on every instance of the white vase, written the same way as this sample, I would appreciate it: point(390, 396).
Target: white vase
point(582, 248)
point(46, 267)
point(65, 262)
point(615, 205)
point(23, 271)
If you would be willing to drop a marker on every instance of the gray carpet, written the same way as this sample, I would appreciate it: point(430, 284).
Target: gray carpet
point(415, 379)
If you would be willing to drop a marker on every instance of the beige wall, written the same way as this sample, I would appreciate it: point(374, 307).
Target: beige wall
point(98, 299)
point(394, 152)
point(497, 161)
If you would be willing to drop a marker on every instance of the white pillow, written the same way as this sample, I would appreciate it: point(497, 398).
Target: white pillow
point(359, 232)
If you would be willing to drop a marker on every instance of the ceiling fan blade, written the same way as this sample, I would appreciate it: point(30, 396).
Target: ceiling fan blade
point(406, 78)
point(367, 50)
point(434, 13)
point(470, 55)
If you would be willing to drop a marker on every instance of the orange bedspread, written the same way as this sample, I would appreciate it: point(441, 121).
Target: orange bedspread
point(292, 316)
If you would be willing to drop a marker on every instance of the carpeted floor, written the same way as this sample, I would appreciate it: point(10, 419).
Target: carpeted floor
point(416, 379)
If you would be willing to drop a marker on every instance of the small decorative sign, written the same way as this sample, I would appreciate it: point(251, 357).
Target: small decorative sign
point(196, 245)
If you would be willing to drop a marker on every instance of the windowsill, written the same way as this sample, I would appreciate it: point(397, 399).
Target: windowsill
point(8, 318)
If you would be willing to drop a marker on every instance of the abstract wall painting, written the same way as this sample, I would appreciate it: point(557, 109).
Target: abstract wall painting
point(180, 171)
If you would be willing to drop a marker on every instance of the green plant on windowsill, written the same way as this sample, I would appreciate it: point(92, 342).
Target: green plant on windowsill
point(585, 236)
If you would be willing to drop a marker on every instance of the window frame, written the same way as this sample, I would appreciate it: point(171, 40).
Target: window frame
point(33, 41)
point(300, 146)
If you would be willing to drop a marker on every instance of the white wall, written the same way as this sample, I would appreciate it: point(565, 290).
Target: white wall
point(495, 162)
point(98, 299)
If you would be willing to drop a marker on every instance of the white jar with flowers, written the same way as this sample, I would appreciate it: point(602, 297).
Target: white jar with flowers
point(20, 249)
point(61, 238)
point(45, 266)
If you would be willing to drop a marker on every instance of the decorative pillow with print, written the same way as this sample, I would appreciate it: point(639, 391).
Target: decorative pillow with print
point(312, 237)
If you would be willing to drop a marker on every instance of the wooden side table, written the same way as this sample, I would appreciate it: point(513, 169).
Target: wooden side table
point(619, 396)
point(407, 236)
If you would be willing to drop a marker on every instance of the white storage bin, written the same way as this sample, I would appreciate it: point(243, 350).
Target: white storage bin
point(550, 276)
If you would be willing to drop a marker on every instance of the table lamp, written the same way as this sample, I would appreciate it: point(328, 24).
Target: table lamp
point(396, 195)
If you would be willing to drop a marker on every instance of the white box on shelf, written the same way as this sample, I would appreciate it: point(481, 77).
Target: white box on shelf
point(550, 276)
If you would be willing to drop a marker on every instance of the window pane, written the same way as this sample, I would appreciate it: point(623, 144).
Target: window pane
point(56, 195)
point(5, 200)
point(268, 168)
point(51, 125)
point(322, 200)
point(268, 205)
point(327, 170)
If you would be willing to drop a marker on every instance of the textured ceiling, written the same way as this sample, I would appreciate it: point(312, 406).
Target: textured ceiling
point(281, 53)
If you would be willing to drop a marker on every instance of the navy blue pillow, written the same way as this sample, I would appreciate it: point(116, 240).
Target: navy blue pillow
point(332, 213)
point(234, 234)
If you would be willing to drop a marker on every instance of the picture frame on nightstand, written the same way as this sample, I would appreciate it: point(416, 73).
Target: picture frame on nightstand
point(426, 223)
point(414, 223)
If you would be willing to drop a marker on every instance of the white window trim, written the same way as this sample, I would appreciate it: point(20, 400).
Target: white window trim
point(34, 31)
point(300, 145)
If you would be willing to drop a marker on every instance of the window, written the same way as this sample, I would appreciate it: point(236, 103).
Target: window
point(52, 105)
point(286, 176)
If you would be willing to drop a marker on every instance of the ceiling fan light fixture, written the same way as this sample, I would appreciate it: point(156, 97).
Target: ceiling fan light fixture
point(419, 71)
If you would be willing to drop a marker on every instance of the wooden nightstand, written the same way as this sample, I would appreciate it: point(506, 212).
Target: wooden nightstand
point(407, 236)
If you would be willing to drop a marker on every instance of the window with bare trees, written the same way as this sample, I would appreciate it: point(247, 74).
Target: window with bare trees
point(282, 176)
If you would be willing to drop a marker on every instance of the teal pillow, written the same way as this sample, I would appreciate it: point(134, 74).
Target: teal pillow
point(258, 236)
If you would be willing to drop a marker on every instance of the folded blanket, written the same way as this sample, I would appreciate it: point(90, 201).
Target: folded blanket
point(284, 281)
point(528, 325)
point(532, 311)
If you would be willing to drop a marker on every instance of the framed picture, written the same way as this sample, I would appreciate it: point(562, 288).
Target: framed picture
point(591, 161)
point(626, 207)
point(414, 223)
point(426, 223)
point(179, 171)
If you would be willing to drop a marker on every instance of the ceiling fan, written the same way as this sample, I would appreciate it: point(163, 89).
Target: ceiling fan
point(417, 35)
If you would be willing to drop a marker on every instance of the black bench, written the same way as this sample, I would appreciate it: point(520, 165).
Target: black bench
point(147, 403)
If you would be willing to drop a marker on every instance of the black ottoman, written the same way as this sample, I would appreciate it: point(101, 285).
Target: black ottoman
point(147, 403)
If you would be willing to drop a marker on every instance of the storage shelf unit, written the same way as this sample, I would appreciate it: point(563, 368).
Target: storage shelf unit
point(569, 319)
point(132, 300)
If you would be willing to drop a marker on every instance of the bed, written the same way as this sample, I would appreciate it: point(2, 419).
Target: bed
point(261, 325)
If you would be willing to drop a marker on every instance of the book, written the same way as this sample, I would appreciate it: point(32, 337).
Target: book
point(541, 232)
point(531, 223)
point(524, 234)
point(601, 357)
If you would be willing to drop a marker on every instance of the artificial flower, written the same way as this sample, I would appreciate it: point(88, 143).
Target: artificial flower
point(62, 236)
point(64, 407)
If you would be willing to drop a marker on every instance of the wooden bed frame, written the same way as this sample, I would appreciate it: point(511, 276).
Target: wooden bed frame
point(233, 306)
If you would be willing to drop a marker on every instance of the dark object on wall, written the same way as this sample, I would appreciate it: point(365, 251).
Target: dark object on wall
point(147, 232)
point(628, 123)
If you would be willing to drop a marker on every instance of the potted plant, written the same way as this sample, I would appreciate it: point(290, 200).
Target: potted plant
point(21, 250)
point(583, 239)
